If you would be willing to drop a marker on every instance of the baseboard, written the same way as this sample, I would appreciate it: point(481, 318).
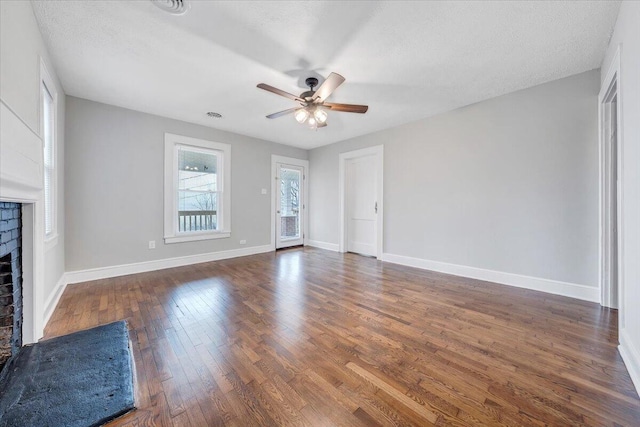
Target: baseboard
point(573, 290)
point(323, 245)
point(631, 357)
point(142, 267)
point(54, 298)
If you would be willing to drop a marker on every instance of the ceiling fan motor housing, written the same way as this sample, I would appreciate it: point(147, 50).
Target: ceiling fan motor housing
point(311, 82)
point(307, 95)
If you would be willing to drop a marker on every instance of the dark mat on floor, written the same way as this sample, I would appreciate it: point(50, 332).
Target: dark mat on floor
point(82, 379)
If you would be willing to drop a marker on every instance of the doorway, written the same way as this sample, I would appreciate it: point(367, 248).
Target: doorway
point(361, 206)
point(610, 191)
point(289, 210)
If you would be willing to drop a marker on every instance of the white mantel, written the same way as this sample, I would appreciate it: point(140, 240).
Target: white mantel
point(21, 181)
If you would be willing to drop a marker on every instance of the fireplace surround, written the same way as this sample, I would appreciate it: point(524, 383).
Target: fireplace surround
point(21, 182)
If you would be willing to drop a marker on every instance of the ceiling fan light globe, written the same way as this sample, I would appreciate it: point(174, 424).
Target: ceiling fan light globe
point(320, 115)
point(302, 115)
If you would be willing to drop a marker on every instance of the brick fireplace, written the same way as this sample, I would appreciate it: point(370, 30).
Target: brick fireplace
point(10, 280)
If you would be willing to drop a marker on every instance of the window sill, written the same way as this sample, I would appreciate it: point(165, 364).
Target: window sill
point(195, 237)
point(50, 242)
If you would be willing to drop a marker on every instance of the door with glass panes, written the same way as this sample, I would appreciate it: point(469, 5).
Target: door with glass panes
point(289, 205)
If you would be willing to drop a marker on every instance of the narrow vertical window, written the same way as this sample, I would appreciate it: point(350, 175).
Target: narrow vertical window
point(199, 189)
point(48, 136)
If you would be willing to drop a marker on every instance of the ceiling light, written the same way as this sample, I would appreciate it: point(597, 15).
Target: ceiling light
point(302, 115)
point(312, 116)
point(320, 115)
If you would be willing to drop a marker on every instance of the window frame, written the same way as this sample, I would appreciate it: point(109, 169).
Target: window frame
point(171, 144)
point(47, 83)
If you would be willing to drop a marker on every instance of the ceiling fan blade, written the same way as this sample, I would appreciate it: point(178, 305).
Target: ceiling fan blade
point(347, 108)
point(280, 92)
point(282, 113)
point(328, 86)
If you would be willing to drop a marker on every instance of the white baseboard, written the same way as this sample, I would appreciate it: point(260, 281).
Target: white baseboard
point(52, 301)
point(324, 245)
point(142, 267)
point(631, 357)
point(573, 290)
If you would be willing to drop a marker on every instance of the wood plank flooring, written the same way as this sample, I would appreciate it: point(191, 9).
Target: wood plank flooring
point(307, 337)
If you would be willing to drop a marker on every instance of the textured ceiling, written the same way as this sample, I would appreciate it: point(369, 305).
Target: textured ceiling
point(406, 60)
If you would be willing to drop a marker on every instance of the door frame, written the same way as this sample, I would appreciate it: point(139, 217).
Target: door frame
point(378, 152)
point(611, 81)
point(275, 159)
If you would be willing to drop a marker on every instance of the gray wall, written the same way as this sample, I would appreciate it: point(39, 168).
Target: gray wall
point(509, 184)
point(114, 193)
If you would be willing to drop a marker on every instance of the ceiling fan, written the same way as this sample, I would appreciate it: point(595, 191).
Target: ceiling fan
point(313, 108)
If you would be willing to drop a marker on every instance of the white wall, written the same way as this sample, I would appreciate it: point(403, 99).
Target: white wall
point(508, 185)
point(627, 35)
point(114, 194)
point(21, 48)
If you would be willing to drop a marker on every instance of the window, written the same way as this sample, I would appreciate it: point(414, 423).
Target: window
point(48, 132)
point(197, 183)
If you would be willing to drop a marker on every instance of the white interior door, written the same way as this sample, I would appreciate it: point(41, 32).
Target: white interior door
point(361, 205)
point(290, 205)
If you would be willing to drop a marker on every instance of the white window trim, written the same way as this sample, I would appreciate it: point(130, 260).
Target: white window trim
point(170, 189)
point(51, 239)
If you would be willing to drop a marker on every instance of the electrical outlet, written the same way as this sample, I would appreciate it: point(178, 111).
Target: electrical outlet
point(243, 242)
point(152, 244)
point(264, 191)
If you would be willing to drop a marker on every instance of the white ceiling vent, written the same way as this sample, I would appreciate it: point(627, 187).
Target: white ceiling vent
point(174, 7)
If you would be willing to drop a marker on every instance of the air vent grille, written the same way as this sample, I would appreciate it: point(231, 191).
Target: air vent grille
point(174, 7)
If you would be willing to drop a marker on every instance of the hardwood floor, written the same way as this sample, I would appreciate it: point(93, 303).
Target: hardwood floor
point(307, 337)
